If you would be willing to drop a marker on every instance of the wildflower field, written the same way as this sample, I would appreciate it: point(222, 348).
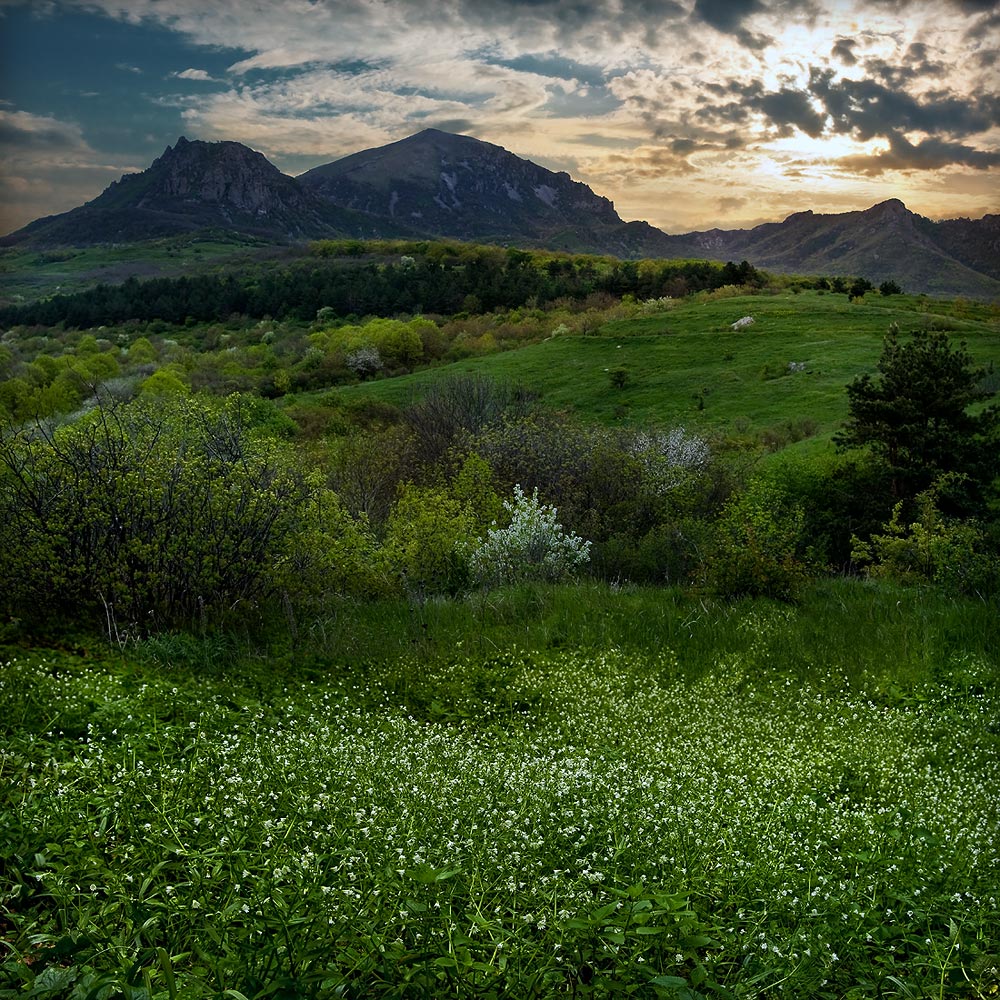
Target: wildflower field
point(560, 791)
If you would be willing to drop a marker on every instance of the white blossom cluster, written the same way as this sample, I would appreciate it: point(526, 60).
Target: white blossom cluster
point(534, 546)
point(665, 455)
point(366, 360)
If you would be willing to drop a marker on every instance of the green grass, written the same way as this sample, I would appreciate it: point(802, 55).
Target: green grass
point(28, 275)
point(686, 366)
point(549, 791)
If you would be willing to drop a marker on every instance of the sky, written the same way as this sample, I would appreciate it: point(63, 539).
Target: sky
point(690, 114)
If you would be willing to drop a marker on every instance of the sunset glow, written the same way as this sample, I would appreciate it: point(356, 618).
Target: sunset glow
point(687, 113)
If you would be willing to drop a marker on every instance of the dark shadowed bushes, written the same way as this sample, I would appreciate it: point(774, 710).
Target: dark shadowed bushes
point(149, 514)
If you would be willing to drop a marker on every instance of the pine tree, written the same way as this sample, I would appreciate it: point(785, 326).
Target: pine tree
point(915, 415)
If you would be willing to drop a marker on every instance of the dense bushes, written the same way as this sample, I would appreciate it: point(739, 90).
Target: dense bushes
point(183, 510)
point(157, 512)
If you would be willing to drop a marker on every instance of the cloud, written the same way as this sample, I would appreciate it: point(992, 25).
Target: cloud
point(928, 154)
point(128, 68)
point(46, 166)
point(660, 96)
point(844, 51)
point(787, 108)
point(725, 15)
point(730, 204)
point(195, 74)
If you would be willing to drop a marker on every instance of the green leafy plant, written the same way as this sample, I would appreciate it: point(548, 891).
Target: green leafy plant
point(929, 546)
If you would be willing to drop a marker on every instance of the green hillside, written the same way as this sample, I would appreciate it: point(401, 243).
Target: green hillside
point(686, 364)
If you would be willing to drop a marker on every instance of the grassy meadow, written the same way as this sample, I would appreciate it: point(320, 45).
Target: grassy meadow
point(530, 792)
point(686, 365)
point(30, 274)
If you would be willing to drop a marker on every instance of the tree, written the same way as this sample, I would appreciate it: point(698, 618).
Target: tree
point(858, 288)
point(915, 416)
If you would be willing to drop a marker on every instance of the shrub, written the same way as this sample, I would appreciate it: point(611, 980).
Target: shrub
point(428, 538)
point(760, 544)
point(154, 513)
point(534, 546)
point(932, 547)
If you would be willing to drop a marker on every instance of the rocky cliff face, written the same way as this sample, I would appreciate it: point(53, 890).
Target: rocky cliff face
point(227, 174)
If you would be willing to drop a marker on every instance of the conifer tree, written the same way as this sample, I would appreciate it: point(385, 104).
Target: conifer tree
point(917, 415)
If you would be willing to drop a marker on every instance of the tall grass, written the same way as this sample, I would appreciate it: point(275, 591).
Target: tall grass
point(546, 791)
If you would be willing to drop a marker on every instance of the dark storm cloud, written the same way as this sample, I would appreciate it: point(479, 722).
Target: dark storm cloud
point(725, 15)
point(787, 108)
point(929, 154)
point(844, 51)
point(867, 108)
point(783, 108)
point(555, 66)
point(571, 17)
point(915, 64)
point(756, 43)
point(990, 21)
point(650, 162)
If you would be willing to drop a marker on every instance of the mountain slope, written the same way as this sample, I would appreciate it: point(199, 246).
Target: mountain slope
point(193, 186)
point(461, 187)
point(436, 184)
point(884, 242)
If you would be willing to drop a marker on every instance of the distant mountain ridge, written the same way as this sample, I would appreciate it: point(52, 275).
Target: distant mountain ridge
point(461, 187)
point(437, 184)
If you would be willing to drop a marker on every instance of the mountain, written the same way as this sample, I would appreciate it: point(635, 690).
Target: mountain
point(461, 187)
point(436, 184)
point(887, 241)
point(194, 186)
point(467, 189)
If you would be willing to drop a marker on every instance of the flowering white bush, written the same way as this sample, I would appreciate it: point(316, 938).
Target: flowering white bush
point(666, 455)
point(365, 361)
point(533, 547)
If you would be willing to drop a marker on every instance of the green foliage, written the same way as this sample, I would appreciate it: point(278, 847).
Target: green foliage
point(760, 545)
point(474, 487)
point(619, 378)
point(329, 555)
point(167, 381)
point(858, 288)
point(916, 418)
point(710, 799)
point(952, 553)
point(147, 514)
point(427, 540)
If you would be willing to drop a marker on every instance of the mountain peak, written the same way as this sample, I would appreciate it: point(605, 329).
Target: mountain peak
point(890, 206)
point(460, 186)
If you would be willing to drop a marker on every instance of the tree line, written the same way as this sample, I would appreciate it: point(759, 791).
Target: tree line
point(473, 280)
